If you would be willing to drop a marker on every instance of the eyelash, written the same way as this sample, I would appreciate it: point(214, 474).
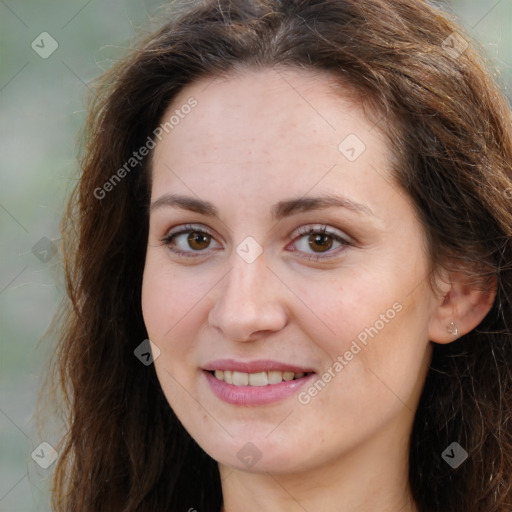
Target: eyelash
point(301, 232)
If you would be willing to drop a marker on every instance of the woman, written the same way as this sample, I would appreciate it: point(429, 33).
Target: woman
point(305, 206)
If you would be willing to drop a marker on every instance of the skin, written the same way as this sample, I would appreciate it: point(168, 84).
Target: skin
point(254, 139)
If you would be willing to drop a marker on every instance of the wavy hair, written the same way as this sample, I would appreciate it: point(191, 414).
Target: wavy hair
point(450, 132)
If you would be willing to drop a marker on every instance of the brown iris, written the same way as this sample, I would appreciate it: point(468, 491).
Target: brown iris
point(321, 241)
point(198, 241)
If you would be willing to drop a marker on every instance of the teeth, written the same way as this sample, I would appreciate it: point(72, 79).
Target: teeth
point(275, 377)
point(240, 379)
point(256, 379)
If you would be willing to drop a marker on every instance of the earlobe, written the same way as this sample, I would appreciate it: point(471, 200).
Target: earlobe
point(463, 304)
point(453, 329)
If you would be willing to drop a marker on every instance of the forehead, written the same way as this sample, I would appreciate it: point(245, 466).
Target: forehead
point(258, 104)
point(272, 131)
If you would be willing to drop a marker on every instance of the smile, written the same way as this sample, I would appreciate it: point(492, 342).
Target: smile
point(255, 383)
point(256, 379)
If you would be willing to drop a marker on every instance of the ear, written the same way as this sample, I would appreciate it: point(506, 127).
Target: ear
point(463, 303)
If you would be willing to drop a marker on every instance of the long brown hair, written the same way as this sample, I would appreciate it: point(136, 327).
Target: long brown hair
point(125, 450)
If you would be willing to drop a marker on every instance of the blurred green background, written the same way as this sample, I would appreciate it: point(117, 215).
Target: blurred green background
point(42, 106)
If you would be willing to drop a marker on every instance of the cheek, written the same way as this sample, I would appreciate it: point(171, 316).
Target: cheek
point(168, 297)
point(158, 302)
point(373, 326)
point(175, 308)
point(342, 306)
point(171, 307)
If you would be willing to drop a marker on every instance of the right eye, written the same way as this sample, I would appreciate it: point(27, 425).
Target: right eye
point(187, 240)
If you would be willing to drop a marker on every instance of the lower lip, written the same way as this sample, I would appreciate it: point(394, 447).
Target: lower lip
point(255, 395)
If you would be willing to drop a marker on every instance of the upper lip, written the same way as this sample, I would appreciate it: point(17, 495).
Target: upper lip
point(256, 366)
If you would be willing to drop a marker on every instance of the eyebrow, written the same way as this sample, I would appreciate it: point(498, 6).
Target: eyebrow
point(279, 211)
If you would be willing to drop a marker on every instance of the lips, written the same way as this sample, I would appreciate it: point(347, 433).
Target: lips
point(256, 382)
point(260, 365)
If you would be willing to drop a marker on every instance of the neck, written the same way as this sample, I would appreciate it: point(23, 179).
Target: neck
point(373, 476)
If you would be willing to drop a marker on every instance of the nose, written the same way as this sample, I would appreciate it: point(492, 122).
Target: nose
point(250, 303)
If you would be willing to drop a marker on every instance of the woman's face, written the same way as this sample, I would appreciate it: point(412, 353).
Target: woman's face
point(280, 248)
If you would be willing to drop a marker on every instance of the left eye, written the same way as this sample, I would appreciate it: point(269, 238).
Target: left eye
point(317, 241)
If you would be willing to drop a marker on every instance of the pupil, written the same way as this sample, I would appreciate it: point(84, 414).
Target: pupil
point(324, 241)
point(198, 240)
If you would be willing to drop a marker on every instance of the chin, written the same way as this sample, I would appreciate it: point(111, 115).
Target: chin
point(259, 456)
